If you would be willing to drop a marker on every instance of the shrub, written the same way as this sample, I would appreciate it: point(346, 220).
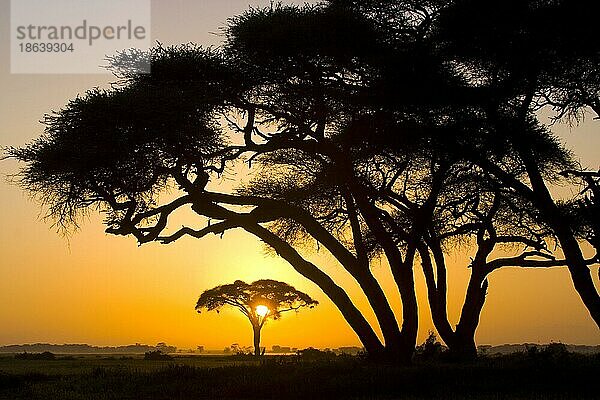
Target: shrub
point(156, 355)
point(430, 348)
point(312, 354)
point(555, 351)
point(46, 355)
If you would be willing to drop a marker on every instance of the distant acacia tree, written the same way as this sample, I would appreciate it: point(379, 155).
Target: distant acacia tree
point(258, 301)
point(384, 128)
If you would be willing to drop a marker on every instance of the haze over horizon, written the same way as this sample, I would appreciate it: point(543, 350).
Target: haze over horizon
point(106, 291)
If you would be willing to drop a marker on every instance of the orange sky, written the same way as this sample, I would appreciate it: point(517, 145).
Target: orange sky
point(105, 290)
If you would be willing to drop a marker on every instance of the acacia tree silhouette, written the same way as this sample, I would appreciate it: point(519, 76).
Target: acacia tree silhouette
point(139, 146)
point(527, 56)
point(259, 301)
point(374, 131)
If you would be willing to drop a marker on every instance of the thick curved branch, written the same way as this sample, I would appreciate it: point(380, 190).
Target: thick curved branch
point(128, 224)
point(436, 295)
point(357, 236)
point(535, 244)
point(216, 229)
point(524, 262)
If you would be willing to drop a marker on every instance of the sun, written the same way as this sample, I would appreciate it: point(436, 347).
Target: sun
point(262, 310)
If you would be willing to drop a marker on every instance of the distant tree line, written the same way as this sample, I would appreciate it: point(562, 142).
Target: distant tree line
point(85, 348)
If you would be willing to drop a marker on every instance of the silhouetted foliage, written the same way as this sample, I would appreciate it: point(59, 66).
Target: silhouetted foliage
point(430, 349)
point(550, 353)
point(156, 355)
point(312, 354)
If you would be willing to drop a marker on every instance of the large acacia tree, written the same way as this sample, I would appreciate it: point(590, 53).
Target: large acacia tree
point(529, 56)
point(372, 130)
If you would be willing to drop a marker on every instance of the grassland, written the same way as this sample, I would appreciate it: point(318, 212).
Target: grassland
point(520, 376)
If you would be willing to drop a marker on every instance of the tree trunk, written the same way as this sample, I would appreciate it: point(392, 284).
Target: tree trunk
point(363, 276)
point(410, 312)
point(382, 309)
point(461, 343)
point(256, 331)
point(463, 348)
point(402, 272)
point(436, 292)
point(581, 274)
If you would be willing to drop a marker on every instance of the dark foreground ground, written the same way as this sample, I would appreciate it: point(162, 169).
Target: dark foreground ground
point(518, 376)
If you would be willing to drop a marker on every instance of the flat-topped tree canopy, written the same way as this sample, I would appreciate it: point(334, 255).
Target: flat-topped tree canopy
point(277, 296)
point(294, 38)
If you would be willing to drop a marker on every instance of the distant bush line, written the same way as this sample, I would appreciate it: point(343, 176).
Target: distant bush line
point(46, 355)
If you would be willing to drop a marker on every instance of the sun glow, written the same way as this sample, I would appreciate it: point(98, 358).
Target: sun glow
point(262, 310)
